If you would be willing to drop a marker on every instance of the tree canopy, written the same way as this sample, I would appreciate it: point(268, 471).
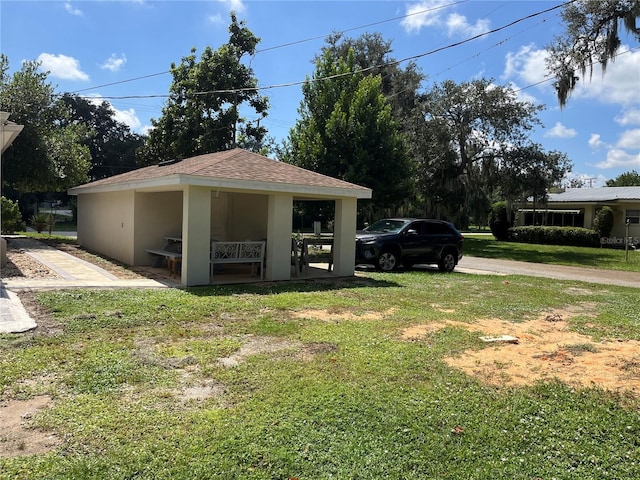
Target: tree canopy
point(347, 130)
point(467, 129)
point(49, 154)
point(627, 179)
point(592, 36)
point(202, 114)
point(111, 144)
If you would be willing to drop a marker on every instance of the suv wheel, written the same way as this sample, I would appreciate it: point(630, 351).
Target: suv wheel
point(448, 262)
point(387, 261)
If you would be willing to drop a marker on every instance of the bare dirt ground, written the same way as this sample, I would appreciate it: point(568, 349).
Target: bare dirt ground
point(546, 349)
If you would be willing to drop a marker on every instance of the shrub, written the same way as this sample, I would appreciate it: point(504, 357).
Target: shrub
point(603, 223)
point(11, 216)
point(570, 236)
point(498, 221)
point(41, 220)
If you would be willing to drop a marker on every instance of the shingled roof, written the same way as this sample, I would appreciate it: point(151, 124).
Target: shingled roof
point(236, 168)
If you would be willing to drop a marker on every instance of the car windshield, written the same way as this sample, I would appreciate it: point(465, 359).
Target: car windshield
point(387, 226)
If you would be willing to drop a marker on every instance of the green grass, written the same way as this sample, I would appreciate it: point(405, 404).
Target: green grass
point(343, 398)
point(605, 258)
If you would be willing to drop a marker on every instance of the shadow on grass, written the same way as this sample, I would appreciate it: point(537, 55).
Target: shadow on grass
point(288, 286)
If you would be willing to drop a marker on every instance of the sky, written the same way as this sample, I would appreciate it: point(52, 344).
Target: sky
point(121, 51)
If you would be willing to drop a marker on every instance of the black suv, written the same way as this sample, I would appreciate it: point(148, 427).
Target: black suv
point(408, 241)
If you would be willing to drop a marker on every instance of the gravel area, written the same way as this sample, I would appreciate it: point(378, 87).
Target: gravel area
point(22, 265)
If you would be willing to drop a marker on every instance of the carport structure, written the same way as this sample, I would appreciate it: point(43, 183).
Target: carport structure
point(235, 195)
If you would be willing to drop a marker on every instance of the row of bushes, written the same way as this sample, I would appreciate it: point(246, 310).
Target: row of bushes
point(572, 236)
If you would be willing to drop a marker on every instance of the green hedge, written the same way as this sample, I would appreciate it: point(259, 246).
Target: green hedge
point(572, 236)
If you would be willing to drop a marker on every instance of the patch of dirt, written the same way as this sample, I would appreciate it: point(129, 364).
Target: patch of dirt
point(257, 346)
point(546, 349)
point(338, 315)
point(47, 325)
point(17, 436)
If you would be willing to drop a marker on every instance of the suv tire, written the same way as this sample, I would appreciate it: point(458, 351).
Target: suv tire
point(387, 261)
point(448, 261)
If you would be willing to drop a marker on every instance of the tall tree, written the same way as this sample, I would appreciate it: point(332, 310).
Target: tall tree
point(48, 156)
point(592, 36)
point(528, 172)
point(202, 114)
point(372, 54)
point(466, 127)
point(627, 179)
point(111, 143)
point(347, 130)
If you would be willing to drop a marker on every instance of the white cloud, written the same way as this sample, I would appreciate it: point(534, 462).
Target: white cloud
point(629, 117)
point(114, 63)
point(61, 66)
point(527, 64)
point(630, 140)
point(429, 13)
point(457, 23)
point(72, 10)
point(617, 158)
point(234, 5)
point(619, 85)
point(595, 142)
point(146, 129)
point(216, 19)
point(560, 131)
point(422, 14)
point(522, 95)
point(128, 117)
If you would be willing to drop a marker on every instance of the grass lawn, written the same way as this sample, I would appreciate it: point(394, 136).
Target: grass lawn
point(316, 380)
point(606, 258)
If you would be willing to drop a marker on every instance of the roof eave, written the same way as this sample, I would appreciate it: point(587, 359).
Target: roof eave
point(255, 186)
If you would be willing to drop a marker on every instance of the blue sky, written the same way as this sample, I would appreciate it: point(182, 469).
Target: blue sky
point(103, 48)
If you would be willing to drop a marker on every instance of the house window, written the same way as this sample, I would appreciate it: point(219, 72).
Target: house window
point(632, 216)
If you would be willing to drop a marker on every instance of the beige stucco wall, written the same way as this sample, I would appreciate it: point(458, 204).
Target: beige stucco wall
point(248, 213)
point(220, 215)
point(105, 224)
point(157, 215)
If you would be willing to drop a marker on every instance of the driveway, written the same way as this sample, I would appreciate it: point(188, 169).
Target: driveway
point(492, 266)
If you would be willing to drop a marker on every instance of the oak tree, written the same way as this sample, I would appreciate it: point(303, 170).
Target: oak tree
point(592, 36)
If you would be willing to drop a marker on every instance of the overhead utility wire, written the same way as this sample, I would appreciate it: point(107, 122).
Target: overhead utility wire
point(363, 26)
point(284, 44)
point(339, 75)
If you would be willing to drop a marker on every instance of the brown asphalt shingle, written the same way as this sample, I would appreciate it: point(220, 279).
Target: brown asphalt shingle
point(236, 164)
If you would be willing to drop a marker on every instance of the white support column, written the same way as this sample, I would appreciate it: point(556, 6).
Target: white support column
point(196, 232)
point(344, 237)
point(279, 225)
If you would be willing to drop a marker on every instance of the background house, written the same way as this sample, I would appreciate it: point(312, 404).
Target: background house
point(579, 206)
point(234, 195)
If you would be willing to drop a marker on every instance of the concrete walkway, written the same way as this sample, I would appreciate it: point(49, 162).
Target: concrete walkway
point(73, 272)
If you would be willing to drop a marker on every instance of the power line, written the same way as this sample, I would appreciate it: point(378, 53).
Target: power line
point(363, 26)
point(283, 45)
point(331, 77)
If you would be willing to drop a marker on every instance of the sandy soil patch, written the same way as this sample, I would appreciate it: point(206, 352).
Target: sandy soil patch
point(546, 349)
point(340, 315)
point(17, 437)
